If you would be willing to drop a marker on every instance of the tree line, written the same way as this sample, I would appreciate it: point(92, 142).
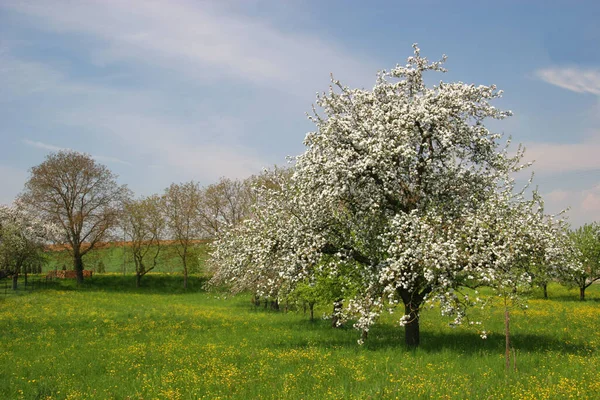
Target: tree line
point(73, 200)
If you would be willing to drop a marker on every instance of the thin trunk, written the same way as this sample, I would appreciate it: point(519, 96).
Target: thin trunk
point(138, 280)
point(185, 274)
point(25, 276)
point(545, 287)
point(15, 279)
point(78, 264)
point(582, 293)
point(506, 335)
point(311, 305)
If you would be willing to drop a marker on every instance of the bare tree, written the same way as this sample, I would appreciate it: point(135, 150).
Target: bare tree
point(145, 226)
point(79, 195)
point(225, 203)
point(181, 205)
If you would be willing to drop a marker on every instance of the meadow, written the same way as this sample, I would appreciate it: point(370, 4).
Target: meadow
point(116, 258)
point(106, 339)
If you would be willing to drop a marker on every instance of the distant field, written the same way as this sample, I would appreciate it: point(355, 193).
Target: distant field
point(117, 258)
point(106, 339)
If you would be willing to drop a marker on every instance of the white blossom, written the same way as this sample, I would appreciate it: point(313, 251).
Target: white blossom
point(404, 195)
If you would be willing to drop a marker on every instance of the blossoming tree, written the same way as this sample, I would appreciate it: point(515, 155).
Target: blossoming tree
point(586, 249)
point(399, 194)
point(22, 239)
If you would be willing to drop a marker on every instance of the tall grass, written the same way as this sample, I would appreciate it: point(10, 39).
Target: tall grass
point(107, 339)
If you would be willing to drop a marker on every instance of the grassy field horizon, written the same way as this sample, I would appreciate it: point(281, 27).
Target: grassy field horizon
point(117, 258)
point(108, 339)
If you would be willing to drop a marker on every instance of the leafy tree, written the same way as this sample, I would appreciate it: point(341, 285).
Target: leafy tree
point(145, 225)
point(392, 185)
point(73, 191)
point(181, 206)
point(586, 244)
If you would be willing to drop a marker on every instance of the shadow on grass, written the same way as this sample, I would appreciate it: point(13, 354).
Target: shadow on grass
point(388, 337)
point(565, 298)
point(150, 284)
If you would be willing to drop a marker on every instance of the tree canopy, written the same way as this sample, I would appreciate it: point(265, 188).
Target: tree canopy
point(81, 196)
point(402, 194)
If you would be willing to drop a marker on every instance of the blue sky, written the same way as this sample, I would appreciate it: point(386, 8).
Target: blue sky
point(169, 91)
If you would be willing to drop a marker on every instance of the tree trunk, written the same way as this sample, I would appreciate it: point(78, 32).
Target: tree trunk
point(15, 279)
point(506, 336)
point(185, 275)
point(412, 334)
point(412, 303)
point(545, 287)
point(582, 293)
point(78, 264)
point(311, 305)
point(138, 280)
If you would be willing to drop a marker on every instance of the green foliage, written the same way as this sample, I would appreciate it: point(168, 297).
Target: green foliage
point(100, 267)
point(152, 343)
point(586, 242)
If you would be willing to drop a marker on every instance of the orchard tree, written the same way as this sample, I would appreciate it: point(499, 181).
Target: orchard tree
point(82, 197)
point(505, 245)
point(145, 226)
point(22, 240)
point(391, 187)
point(181, 207)
point(586, 247)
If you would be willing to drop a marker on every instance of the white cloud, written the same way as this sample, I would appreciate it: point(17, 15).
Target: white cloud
point(18, 77)
point(46, 146)
point(172, 143)
point(573, 78)
point(201, 40)
point(166, 48)
point(584, 205)
point(564, 157)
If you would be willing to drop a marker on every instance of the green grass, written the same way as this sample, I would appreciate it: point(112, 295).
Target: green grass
point(107, 339)
point(118, 259)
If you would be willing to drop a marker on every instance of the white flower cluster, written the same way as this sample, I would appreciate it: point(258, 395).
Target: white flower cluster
point(22, 236)
point(404, 192)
